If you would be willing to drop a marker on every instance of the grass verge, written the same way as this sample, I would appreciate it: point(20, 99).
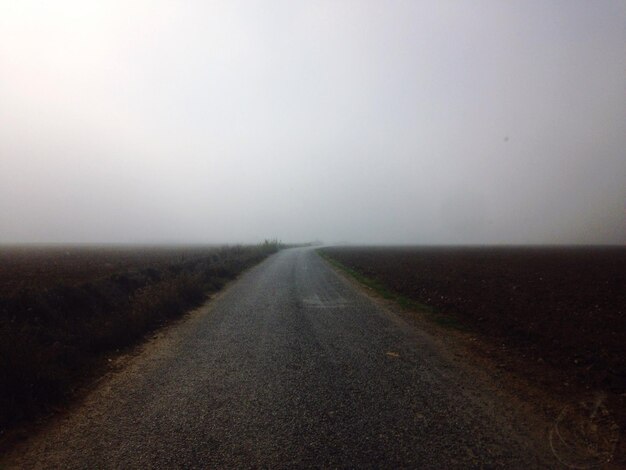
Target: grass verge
point(404, 302)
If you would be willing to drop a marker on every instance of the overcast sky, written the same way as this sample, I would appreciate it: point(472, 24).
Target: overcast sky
point(362, 121)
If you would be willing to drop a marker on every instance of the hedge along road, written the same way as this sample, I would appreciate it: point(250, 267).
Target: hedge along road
point(290, 366)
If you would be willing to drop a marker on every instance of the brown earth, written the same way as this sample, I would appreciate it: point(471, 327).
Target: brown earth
point(40, 267)
point(554, 316)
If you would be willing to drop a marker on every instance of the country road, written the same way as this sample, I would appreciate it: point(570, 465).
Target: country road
point(291, 366)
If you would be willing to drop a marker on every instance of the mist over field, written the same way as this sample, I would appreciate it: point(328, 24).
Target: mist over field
point(406, 122)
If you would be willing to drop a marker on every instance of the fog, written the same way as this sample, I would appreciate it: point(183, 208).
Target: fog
point(407, 122)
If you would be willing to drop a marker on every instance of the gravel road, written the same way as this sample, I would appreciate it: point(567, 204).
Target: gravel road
point(291, 366)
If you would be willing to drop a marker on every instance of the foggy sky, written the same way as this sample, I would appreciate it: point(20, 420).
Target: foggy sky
point(362, 121)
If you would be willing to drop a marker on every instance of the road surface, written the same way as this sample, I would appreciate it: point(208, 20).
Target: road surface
point(291, 366)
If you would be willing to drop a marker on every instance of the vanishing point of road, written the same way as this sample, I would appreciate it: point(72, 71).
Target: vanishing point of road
point(291, 366)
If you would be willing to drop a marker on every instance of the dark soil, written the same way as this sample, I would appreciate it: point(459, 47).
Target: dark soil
point(38, 267)
point(563, 307)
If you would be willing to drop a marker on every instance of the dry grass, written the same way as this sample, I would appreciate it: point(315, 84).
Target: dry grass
point(53, 333)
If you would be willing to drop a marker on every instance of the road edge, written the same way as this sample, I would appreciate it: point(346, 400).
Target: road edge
point(474, 353)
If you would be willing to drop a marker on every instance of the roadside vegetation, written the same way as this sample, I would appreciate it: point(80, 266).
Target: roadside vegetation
point(64, 310)
point(443, 319)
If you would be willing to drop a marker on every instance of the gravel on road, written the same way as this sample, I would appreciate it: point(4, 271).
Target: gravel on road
point(291, 366)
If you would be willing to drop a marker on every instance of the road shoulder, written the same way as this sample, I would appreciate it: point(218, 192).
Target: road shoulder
point(543, 411)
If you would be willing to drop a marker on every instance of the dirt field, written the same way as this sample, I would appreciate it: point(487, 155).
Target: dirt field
point(64, 310)
point(42, 267)
point(562, 311)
